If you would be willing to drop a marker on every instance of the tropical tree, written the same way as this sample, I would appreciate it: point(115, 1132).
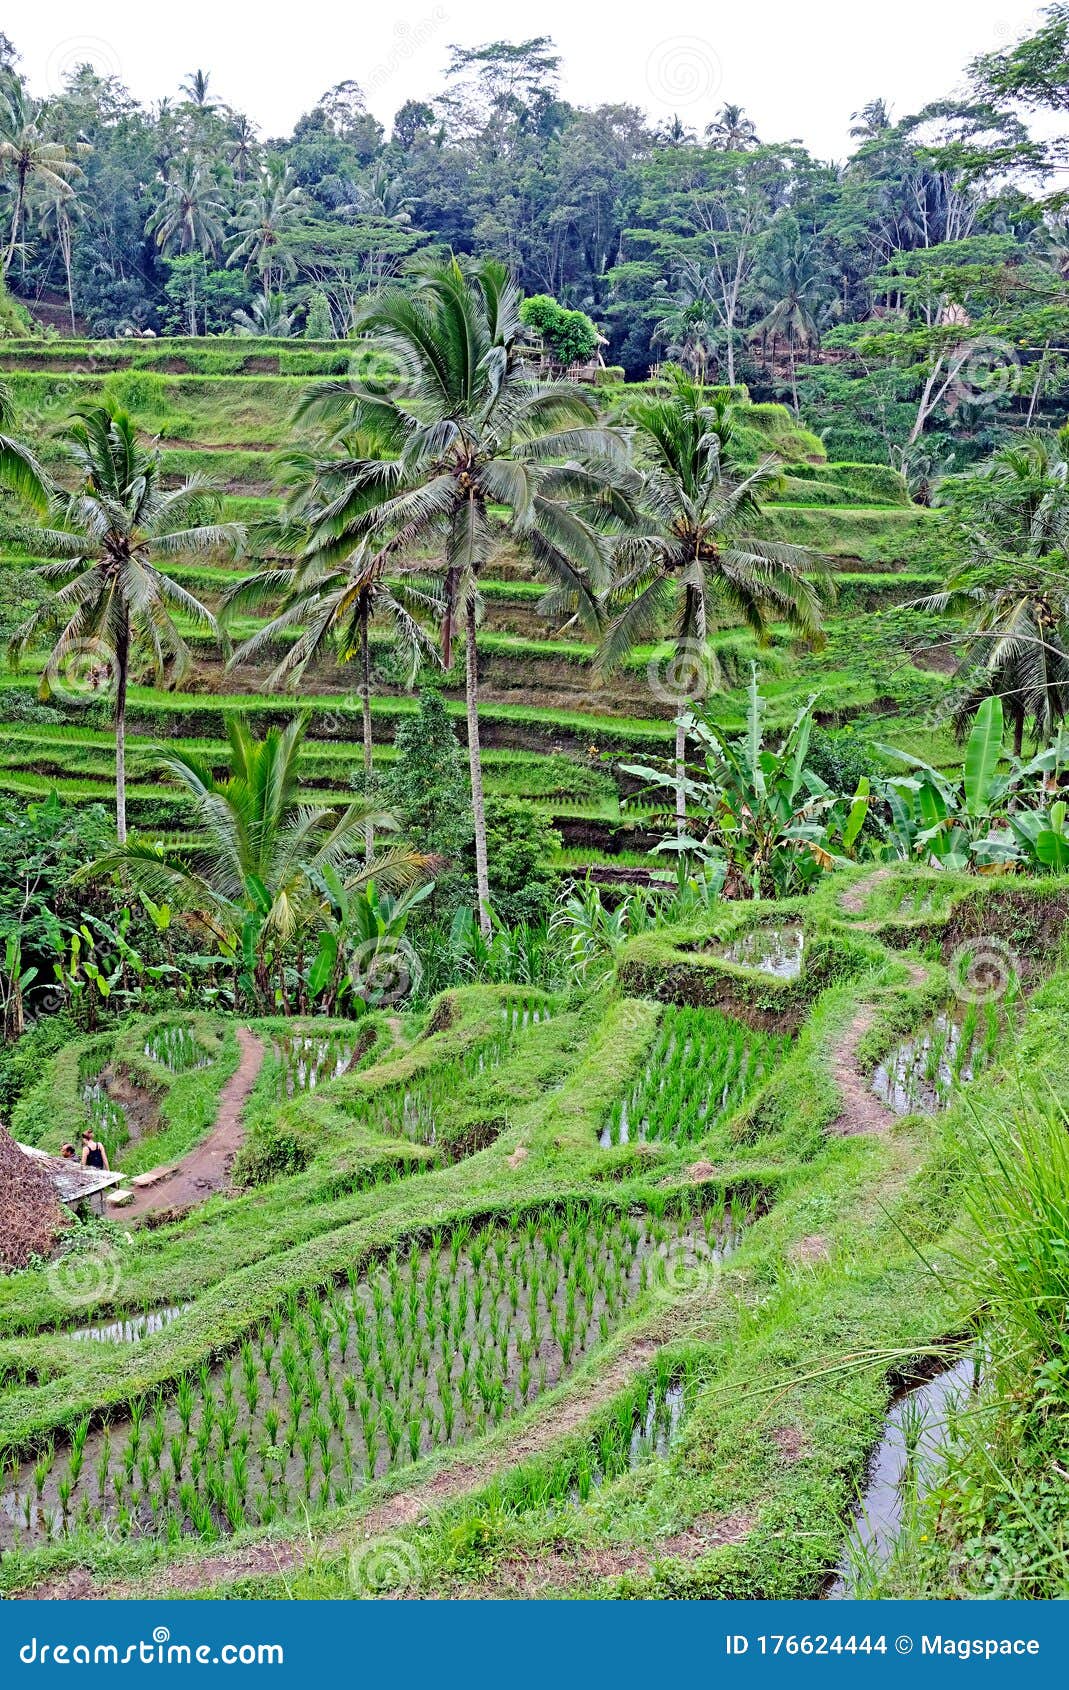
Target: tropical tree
point(1010, 520)
point(462, 427)
point(260, 225)
point(996, 812)
point(696, 557)
point(110, 600)
point(188, 219)
point(268, 318)
point(732, 131)
point(195, 89)
point(55, 219)
point(333, 605)
point(769, 822)
point(242, 146)
point(30, 157)
point(20, 470)
point(266, 873)
point(794, 283)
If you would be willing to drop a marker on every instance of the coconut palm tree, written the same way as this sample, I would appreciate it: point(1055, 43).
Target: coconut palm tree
point(188, 219)
point(29, 157)
point(111, 600)
point(259, 875)
point(242, 146)
point(1012, 518)
point(460, 427)
point(195, 89)
point(732, 131)
point(697, 554)
point(794, 282)
point(260, 227)
point(55, 220)
point(334, 606)
point(190, 213)
point(268, 318)
point(20, 470)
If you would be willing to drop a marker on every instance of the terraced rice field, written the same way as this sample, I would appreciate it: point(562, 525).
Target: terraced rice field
point(567, 738)
point(427, 1347)
point(701, 1069)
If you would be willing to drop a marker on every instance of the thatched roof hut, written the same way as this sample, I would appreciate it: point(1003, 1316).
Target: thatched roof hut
point(30, 1214)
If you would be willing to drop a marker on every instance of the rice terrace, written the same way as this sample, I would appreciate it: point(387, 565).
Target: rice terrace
point(534, 841)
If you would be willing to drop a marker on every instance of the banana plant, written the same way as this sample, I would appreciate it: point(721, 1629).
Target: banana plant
point(774, 822)
point(978, 819)
point(1043, 836)
point(362, 928)
point(14, 984)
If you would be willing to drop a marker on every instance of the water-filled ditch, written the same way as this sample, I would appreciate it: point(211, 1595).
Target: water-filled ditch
point(904, 1468)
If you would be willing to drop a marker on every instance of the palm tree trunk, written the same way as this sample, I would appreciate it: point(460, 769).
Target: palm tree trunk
point(65, 248)
point(681, 775)
point(1037, 387)
point(1018, 735)
point(475, 764)
point(16, 218)
point(365, 710)
point(122, 662)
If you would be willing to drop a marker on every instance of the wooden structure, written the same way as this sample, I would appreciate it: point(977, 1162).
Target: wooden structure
point(75, 1186)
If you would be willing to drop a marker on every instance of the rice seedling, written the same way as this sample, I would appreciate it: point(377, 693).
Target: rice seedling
point(176, 1048)
point(921, 1075)
point(701, 1069)
point(445, 1343)
point(304, 1061)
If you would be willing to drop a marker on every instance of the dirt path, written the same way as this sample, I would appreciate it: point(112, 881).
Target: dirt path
point(861, 1111)
point(260, 1560)
point(854, 899)
point(207, 1167)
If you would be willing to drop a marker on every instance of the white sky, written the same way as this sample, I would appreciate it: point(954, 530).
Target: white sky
point(799, 69)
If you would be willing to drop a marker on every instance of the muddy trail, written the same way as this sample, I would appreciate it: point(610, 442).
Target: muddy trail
point(180, 1185)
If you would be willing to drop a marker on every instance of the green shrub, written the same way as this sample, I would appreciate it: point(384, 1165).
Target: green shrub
point(271, 1153)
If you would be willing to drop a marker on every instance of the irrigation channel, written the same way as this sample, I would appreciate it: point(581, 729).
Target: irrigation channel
point(131, 1329)
point(424, 1348)
point(703, 1066)
point(904, 1468)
